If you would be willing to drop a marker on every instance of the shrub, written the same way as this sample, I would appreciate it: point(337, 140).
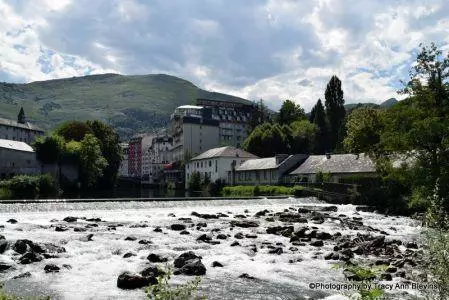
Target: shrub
point(163, 291)
point(26, 186)
point(194, 183)
point(266, 190)
point(216, 188)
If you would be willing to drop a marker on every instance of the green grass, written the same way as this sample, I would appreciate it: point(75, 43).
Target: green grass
point(5, 194)
point(262, 190)
point(131, 103)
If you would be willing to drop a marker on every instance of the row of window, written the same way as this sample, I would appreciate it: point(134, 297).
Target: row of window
point(255, 175)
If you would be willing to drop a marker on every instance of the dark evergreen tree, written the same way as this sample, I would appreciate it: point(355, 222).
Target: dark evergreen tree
point(335, 111)
point(319, 119)
point(21, 119)
point(259, 115)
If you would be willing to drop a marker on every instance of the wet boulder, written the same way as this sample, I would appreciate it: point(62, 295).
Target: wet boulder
point(332, 256)
point(261, 213)
point(239, 235)
point(22, 246)
point(317, 243)
point(130, 238)
point(157, 229)
point(246, 276)
point(178, 227)
point(30, 257)
point(321, 235)
point(217, 264)
point(129, 254)
point(277, 251)
point(51, 268)
point(204, 238)
point(182, 259)
point(189, 263)
point(5, 266)
point(156, 258)
point(244, 223)
point(192, 268)
point(128, 280)
point(222, 236)
point(281, 230)
point(3, 246)
point(151, 273)
point(23, 275)
point(12, 221)
point(292, 218)
point(70, 219)
point(61, 228)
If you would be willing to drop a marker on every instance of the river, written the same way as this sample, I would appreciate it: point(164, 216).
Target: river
point(96, 264)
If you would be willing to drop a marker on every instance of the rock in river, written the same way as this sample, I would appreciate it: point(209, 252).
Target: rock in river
point(128, 280)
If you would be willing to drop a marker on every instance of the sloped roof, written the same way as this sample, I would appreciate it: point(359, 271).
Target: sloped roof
point(13, 123)
point(336, 163)
point(227, 151)
point(258, 164)
point(15, 145)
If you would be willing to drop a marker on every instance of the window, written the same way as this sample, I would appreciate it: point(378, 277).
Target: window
point(265, 174)
point(201, 164)
point(216, 166)
point(210, 163)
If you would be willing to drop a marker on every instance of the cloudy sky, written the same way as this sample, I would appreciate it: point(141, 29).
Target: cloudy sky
point(270, 49)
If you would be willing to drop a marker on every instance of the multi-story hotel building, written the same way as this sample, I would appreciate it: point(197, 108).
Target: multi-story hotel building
point(233, 118)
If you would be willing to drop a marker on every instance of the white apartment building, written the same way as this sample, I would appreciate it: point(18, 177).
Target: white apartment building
point(193, 131)
point(217, 163)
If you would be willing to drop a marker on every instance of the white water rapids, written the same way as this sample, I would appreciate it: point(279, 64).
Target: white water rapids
point(95, 265)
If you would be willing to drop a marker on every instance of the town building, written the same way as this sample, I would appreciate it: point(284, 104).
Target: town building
point(16, 158)
point(337, 166)
point(218, 164)
point(19, 130)
point(123, 169)
point(267, 171)
point(193, 131)
point(159, 155)
point(138, 158)
point(233, 117)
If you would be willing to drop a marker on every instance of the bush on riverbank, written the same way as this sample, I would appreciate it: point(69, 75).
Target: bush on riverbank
point(27, 186)
point(262, 190)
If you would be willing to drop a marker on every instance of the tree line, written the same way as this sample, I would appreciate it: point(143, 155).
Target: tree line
point(292, 131)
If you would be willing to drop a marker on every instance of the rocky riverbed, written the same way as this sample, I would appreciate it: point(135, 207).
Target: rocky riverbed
point(242, 249)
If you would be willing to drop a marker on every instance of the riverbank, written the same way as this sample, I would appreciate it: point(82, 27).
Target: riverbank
point(280, 244)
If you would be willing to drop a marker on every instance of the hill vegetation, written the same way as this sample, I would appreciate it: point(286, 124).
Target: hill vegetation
point(131, 104)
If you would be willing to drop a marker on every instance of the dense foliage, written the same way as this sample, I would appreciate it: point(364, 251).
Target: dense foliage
point(93, 146)
point(30, 187)
point(289, 113)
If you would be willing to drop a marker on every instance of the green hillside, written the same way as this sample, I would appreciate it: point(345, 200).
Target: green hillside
point(132, 104)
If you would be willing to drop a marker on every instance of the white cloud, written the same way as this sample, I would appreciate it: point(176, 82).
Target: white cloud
point(272, 49)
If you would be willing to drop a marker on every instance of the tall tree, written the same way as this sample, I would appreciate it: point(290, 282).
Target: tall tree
point(364, 128)
point(259, 115)
point(110, 149)
point(303, 135)
point(92, 163)
point(21, 116)
point(319, 119)
point(289, 113)
point(335, 110)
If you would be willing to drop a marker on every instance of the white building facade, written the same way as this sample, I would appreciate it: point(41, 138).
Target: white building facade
point(17, 158)
point(217, 164)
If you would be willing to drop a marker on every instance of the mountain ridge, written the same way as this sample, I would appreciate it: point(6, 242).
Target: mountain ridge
point(130, 103)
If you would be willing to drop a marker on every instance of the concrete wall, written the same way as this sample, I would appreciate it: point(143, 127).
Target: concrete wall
point(13, 162)
point(198, 138)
